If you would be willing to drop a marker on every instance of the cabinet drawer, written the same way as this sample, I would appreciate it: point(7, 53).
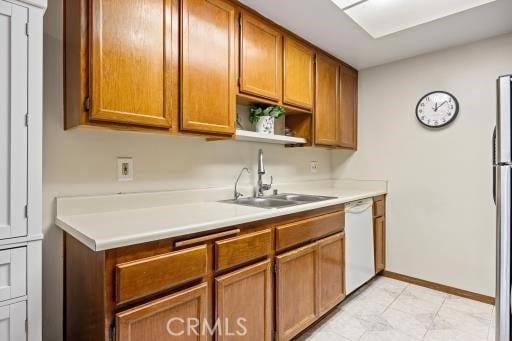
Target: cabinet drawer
point(379, 207)
point(13, 273)
point(309, 229)
point(237, 250)
point(149, 275)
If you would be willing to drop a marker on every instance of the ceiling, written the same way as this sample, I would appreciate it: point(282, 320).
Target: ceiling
point(325, 25)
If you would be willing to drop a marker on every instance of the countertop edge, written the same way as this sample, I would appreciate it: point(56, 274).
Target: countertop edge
point(99, 245)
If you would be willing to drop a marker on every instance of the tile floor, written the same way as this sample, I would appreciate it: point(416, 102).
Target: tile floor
point(386, 309)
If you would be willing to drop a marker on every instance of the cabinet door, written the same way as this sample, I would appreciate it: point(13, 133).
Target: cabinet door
point(331, 268)
point(134, 66)
point(297, 291)
point(244, 300)
point(260, 58)
point(208, 87)
point(180, 316)
point(348, 108)
point(298, 73)
point(379, 237)
point(327, 123)
point(12, 321)
point(13, 131)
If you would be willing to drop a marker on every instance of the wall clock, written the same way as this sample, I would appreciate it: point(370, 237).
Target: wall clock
point(437, 109)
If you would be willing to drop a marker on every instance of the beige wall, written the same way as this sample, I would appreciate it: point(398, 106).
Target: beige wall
point(81, 162)
point(441, 224)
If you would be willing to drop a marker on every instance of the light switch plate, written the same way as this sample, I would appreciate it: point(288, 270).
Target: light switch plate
point(124, 169)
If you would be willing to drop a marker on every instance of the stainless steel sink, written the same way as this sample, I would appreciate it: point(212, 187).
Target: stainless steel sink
point(262, 202)
point(278, 201)
point(302, 197)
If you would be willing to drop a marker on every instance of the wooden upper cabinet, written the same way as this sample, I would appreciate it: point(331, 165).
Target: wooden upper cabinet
point(327, 118)
point(260, 58)
point(331, 268)
point(348, 108)
point(246, 294)
point(158, 319)
point(296, 290)
point(134, 61)
point(208, 77)
point(298, 74)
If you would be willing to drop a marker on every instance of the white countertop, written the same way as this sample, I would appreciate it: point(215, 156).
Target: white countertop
point(111, 221)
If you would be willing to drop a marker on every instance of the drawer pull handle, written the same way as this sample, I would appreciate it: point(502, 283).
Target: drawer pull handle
point(203, 239)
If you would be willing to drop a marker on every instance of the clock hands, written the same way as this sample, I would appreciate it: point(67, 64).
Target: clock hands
point(436, 108)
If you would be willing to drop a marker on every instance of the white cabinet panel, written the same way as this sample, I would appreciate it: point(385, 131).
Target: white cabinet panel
point(12, 322)
point(13, 131)
point(13, 273)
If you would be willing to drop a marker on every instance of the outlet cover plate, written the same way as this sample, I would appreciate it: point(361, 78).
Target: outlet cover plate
point(313, 166)
point(124, 169)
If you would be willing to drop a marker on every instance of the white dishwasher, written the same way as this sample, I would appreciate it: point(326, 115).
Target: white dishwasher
point(359, 261)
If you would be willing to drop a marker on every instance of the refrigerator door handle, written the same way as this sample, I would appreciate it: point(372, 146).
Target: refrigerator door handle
point(494, 165)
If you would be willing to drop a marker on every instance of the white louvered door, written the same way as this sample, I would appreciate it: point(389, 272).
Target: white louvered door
point(13, 110)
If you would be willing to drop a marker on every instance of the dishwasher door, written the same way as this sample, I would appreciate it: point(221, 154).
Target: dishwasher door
point(359, 253)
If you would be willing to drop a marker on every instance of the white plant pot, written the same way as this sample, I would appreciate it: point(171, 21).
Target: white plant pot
point(265, 125)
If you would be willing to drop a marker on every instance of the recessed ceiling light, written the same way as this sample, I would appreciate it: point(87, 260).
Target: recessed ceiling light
point(383, 17)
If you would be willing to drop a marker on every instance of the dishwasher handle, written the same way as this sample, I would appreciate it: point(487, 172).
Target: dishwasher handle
point(359, 206)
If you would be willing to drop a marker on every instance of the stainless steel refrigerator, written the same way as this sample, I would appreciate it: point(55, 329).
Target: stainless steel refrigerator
point(502, 170)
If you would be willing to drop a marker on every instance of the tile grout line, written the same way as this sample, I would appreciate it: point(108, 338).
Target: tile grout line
point(434, 318)
point(396, 298)
point(387, 307)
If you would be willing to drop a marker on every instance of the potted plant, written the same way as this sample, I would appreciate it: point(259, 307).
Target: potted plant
point(263, 117)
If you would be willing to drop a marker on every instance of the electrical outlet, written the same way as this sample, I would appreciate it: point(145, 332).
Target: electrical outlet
point(313, 166)
point(124, 169)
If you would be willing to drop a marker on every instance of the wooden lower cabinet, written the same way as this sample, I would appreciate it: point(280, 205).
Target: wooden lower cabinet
point(379, 232)
point(179, 316)
point(310, 281)
point(331, 268)
point(379, 235)
point(255, 282)
point(296, 290)
point(244, 304)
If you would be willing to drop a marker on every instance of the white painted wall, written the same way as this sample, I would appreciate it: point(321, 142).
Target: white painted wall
point(83, 161)
point(441, 223)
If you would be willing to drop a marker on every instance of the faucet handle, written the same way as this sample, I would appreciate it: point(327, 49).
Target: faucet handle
point(266, 187)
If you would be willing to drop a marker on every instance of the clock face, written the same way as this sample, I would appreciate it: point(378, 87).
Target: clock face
point(437, 109)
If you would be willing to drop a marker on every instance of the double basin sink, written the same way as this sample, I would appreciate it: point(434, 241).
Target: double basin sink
point(278, 200)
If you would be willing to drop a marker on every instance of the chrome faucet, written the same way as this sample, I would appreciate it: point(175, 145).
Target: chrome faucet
point(261, 171)
point(237, 194)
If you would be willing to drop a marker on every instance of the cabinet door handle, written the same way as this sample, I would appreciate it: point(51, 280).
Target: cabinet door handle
point(203, 239)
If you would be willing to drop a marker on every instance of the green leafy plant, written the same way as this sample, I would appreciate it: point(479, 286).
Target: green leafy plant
point(258, 111)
